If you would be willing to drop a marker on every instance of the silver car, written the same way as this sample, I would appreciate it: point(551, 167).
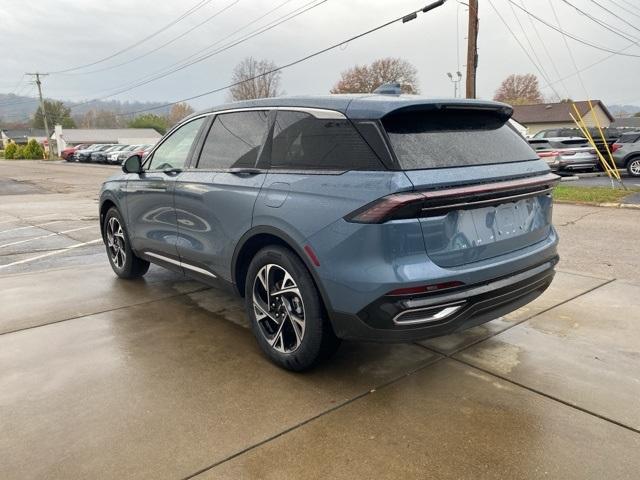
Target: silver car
point(626, 153)
point(566, 154)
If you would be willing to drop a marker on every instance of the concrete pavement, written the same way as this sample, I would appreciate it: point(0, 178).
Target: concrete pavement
point(160, 378)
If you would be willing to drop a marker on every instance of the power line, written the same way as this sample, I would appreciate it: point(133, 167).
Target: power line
point(577, 39)
point(196, 7)
point(616, 15)
point(626, 9)
point(404, 18)
point(583, 69)
point(542, 70)
point(616, 31)
point(546, 50)
point(521, 45)
point(182, 65)
point(169, 42)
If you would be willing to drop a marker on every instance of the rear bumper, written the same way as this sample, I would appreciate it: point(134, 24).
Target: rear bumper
point(392, 319)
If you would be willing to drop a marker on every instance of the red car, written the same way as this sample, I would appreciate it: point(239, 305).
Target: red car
point(67, 153)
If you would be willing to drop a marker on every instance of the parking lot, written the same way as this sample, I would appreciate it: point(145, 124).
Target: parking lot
point(161, 378)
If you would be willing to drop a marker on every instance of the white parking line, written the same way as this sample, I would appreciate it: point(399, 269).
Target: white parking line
point(45, 236)
point(49, 254)
point(34, 226)
point(29, 218)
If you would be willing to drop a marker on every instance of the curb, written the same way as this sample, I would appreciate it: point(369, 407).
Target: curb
point(630, 206)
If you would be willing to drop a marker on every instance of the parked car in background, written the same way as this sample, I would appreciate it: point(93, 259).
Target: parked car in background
point(126, 153)
point(566, 155)
point(362, 217)
point(85, 155)
point(611, 135)
point(626, 153)
point(67, 153)
point(112, 156)
point(100, 156)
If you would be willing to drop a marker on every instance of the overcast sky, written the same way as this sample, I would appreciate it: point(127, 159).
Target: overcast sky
point(56, 35)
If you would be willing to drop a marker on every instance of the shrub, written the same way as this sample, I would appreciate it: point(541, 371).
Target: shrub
point(19, 152)
point(1, 153)
point(10, 151)
point(32, 150)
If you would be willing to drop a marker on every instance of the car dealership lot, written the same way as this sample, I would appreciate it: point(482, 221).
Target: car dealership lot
point(160, 378)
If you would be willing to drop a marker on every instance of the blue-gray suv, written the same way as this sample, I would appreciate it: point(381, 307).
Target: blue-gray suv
point(385, 218)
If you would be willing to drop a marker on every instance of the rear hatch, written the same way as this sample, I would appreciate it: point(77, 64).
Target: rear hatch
point(484, 192)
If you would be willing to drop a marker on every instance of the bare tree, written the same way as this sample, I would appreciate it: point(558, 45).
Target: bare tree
point(366, 78)
point(519, 90)
point(258, 80)
point(178, 112)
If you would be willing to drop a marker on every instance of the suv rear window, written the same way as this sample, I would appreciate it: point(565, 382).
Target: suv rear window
point(304, 142)
point(453, 138)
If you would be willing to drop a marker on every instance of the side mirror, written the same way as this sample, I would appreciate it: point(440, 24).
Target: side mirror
point(133, 164)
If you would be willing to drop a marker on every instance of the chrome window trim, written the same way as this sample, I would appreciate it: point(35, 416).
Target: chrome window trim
point(320, 113)
point(181, 264)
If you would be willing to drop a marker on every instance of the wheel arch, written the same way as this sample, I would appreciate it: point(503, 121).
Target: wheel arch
point(107, 202)
point(630, 157)
point(259, 237)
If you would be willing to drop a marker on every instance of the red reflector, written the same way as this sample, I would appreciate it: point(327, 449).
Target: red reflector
point(312, 255)
point(424, 288)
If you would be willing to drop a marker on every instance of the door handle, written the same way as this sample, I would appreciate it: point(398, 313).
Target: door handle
point(172, 171)
point(245, 172)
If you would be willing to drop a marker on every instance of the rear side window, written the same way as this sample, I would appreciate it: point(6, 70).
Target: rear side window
point(234, 140)
point(628, 138)
point(453, 138)
point(304, 142)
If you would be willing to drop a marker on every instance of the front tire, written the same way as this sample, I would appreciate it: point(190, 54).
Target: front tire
point(633, 167)
point(286, 312)
point(123, 261)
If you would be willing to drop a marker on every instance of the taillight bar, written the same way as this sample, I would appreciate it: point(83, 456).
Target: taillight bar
point(416, 204)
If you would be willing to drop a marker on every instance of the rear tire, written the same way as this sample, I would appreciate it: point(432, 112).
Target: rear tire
point(123, 261)
point(285, 310)
point(633, 167)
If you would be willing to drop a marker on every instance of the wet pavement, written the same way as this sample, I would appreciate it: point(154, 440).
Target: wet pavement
point(161, 378)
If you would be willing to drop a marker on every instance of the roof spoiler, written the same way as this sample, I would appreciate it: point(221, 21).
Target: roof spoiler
point(501, 110)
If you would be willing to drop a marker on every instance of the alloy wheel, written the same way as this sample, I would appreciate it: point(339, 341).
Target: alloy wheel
point(634, 167)
point(278, 308)
point(115, 242)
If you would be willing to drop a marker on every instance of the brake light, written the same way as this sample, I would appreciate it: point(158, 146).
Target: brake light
point(424, 288)
point(547, 154)
point(398, 205)
point(567, 152)
point(615, 146)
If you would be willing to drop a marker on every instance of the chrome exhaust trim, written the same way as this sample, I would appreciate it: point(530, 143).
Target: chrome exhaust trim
point(418, 316)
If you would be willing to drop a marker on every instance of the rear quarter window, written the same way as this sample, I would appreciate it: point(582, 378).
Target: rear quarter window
point(628, 138)
point(304, 142)
point(456, 138)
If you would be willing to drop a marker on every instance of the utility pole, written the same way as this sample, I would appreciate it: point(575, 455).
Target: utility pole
point(472, 49)
point(44, 113)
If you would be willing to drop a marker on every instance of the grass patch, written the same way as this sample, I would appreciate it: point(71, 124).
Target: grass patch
point(572, 193)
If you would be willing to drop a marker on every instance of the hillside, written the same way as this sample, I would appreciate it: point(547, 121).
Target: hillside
point(623, 110)
point(15, 108)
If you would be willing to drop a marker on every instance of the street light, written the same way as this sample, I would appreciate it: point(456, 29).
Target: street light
point(455, 82)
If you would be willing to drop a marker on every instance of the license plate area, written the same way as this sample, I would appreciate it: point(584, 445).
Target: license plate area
point(465, 236)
